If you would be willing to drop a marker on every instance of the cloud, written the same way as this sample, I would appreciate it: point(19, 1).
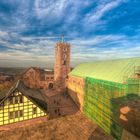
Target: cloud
point(51, 9)
point(97, 39)
point(94, 18)
point(105, 54)
point(14, 58)
point(14, 42)
point(30, 29)
point(41, 49)
point(104, 48)
point(102, 9)
point(3, 34)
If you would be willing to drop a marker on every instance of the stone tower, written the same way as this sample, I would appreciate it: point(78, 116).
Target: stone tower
point(62, 63)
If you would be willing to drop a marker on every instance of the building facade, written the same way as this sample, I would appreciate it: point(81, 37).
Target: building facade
point(100, 88)
point(21, 104)
point(76, 85)
point(38, 78)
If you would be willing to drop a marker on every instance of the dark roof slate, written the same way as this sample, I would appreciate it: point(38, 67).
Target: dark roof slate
point(33, 94)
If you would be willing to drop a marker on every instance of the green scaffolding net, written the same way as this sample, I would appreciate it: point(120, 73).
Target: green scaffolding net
point(102, 101)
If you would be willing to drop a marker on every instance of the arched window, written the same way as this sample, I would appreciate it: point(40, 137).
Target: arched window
point(50, 86)
point(64, 62)
point(64, 49)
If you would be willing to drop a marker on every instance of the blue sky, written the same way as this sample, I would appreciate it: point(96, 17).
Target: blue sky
point(96, 29)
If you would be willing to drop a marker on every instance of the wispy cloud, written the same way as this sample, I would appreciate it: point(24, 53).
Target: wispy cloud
point(102, 9)
point(105, 54)
point(30, 29)
point(97, 40)
point(94, 18)
point(41, 49)
point(3, 34)
point(50, 9)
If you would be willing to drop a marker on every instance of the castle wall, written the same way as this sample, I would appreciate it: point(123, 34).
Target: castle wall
point(34, 79)
point(31, 78)
point(76, 90)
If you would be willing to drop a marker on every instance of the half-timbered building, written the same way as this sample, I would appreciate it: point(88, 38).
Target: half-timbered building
point(21, 103)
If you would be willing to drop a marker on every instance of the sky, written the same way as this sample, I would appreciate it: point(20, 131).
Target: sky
point(96, 30)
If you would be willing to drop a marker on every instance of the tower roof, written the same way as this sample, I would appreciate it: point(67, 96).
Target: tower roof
point(62, 38)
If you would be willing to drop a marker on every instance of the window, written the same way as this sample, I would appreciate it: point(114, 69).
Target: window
point(55, 111)
point(64, 62)
point(16, 100)
point(16, 114)
point(47, 78)
point(11, 115)
point(50, 86)
point(21, 99)
point(64, 56)
point(34, 110)
point(1, 106)
point(65, 49)
point(42, 78)
point(11, 100)
point(21, 113)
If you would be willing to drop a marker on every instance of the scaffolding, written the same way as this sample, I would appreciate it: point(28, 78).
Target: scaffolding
point(102, 101)
point(137, 69)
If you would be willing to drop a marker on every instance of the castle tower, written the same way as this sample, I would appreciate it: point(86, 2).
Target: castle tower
point(62, 63)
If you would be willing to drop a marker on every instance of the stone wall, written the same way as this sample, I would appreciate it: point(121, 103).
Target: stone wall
point(33, 78)
point(76, 90)
point(62, 64)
